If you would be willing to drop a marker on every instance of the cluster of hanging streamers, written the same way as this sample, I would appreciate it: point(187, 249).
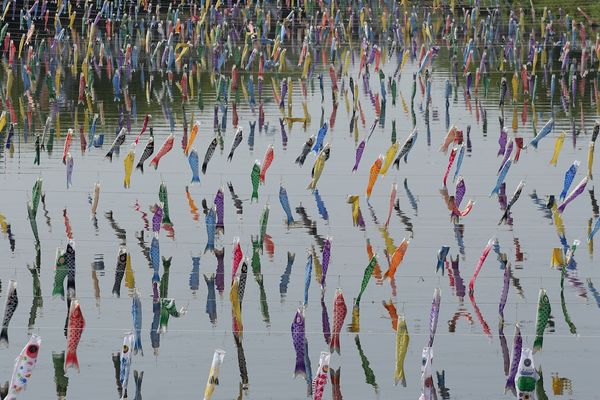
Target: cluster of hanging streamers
point(346, 159)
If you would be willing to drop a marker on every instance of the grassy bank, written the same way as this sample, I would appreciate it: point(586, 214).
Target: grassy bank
point(590, 7)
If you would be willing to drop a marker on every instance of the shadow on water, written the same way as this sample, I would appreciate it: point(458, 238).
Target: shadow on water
point(120, 233)
point(310, 226)
point(366, 366)
point(285, 277)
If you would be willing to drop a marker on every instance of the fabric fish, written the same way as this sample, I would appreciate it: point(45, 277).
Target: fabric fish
point(243, 279)
point(210, 219)
point(155, 258)
point(69, 170)
point(449, 139)
point(220, 211)
point(318, 167)
point(527, 375)
point(356, 214)
point(558, 260)
point(326, 326)
point(129, 276)
point(213, 375)
point(307, 275)
point(12, 301)
point(396, 259)
point(393, 313)
point(373, 174)
point(285, 204)
point(164, 200)
point(574, 193)
point(209, 153)
point(501, 177)
point(144, 126)
point(542, 318)
point(36, 194)
point(32, 221)
point(192, 137)
point(450, 162)
point(164, 149)
point(194, 163)
point(119, 140)
point(557, 147)
point(298, 338)
point(120, 271)
point(427, 389)
point(482, 258)
point(128, 164)
point(326, 259)
point(236, 311)
point(512, 201)
point(590, 158)
point(36, 160)
point(507, 155)
point(441, 258)
point(502, 141)
point(9, 137)
point(75, 328)
point(459, 160)
point(305, 150)
point(24, 365)
point(366, 277)
point(70, 260)
point(60, 273)
point(96, 198)
point(318, 146)
point(317, 266)
point(156, 218)
point(402, 341)
point(237, 139)
point(433, 315)
point(594, 230)
point(267, 160)
point(67, 145)
point(320, 380)
point(373, 125)
point(168, 309)
point(148, 150)
point(136, 313)
point(392, 202)
point(546, 129)
point(255, 179)
point(339, 315)
point(389, 157)
point(516, 358)
point(406, 147)
point(354, 325)
point(569, 176)
point(359, 152)
point(125, 362)
point(237, 256)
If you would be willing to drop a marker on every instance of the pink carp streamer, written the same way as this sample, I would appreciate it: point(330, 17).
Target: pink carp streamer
point(484, 255)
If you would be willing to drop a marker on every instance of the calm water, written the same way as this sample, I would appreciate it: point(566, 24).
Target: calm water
point(472, 360)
